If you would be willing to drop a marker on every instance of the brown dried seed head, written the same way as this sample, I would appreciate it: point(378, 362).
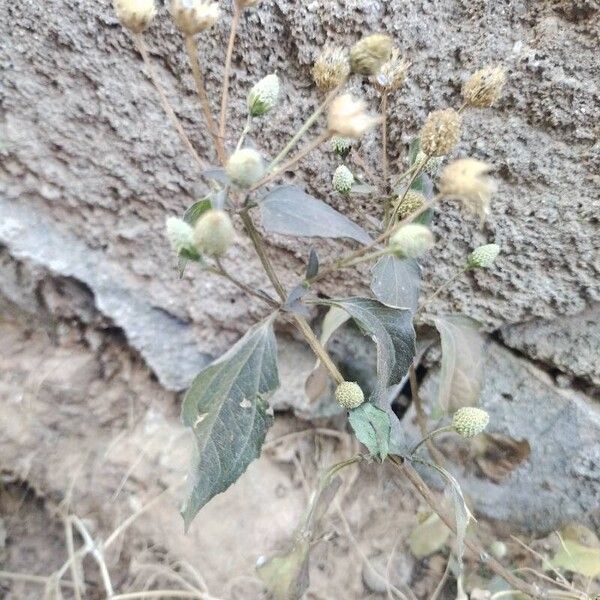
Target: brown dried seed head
point(441, 132)
point(348, 118)
point(392, 74)
point(368, 55)
point(331, 68)
point(247, 3)
point(194, 16)
point(483, 88)
point(135, 15)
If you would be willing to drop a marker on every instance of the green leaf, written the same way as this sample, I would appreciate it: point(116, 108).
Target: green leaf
point(428, 537)
point(196, 210)
point(577, 558)
point(312, 268)
point(227, 411)
point(397, 281)
point(461, 376)
point(372, 428)
point(290, 211)
point(286, 575)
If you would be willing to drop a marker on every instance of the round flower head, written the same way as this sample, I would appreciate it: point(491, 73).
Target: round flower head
point(343, 180)
point(349, 395)
point(180, 234)
point(432, 165)
point(470, 421)
point(392, 73)
point(213, 233)
point(466, 180)
point(341, 146)
point(194, 16)
point(368, 55)
point(483, 88)
point(331, 68)
point(135, 15)
point(347, 117)
point(441, 132)
point(412, 202)
point(263, 96)
point(411, 240)
point(245, 167)
point(483, 256)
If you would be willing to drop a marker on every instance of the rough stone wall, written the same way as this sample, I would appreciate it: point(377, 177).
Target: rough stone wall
point(90, 166)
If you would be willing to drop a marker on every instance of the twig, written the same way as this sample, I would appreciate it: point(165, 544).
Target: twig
point(191, 48)
point(141, 47)
point(384, 151)
point(75, 566)
point(235, 21)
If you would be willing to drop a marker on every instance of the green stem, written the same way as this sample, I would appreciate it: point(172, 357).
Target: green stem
point(245, 132)
point(431, 435)
point(442, 287)
point(235, 21)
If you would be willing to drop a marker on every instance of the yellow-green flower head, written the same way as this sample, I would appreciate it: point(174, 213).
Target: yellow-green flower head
point(412, 202)
point(343, 180)
point(213, 233)
point(341, 146)
point(484, 87)
point(135, 15)
point(412, 240)
point(194, 16)
point(245, 167)
point(470, 421)
point(483, 256)
point(349, 395)
point(180, 235)
point(331, 68)
point(369, 54)
point(441, 132)
point(263, 96)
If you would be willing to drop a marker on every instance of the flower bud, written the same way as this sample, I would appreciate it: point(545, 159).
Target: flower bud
point(483, 88)
point(498, 549)
point(135, 15)
point(470, 421)
point(349, 395)
point(483, 256)
point(181, 235)
point(263, 96)
point(343, 180)
point(245, 167)
point(432, 165)
point(213, 233)
point(331, 68)
point(411, 202)
point(466, 180)
point(194, 16)
point(441, 132)
point(347, 117)
point(411, 241)
point(392, 73)
point(341, 146)
point(368, 55)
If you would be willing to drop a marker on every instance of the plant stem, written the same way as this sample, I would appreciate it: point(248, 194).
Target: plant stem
point(245, 132)
point(301, 154)
point(235, 22)
point(305, 127)
point(244, 287)
point(430, 435)
point(473, 545)
point(138, 40)
point(191, 48)
point(442, 287)
point(384, 151)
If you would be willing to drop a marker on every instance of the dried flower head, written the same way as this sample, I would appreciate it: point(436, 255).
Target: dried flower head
point(341, 146)
point(246, 3)
point(245, 167)
point(470, 421)
point(483, 88)
point(368, 55)
point(343, 180)
point(263, 96)
point(180, 234)
point(349, 395)
point(347, 117)
point(483, 256)
point(432, 165)
point(194, 16)
point(411, 240)
point(392, 73)
point(411, 202)
point(213, 232)
point(135, 15)
point(331, 68)
point(441, 132)
point(466, 180)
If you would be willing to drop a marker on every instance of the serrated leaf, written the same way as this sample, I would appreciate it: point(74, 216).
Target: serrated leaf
point(391, 329)
point(461, 376)
point(372, 428)
point(577, 558)
point(397, 281)
point(312, 269)
point(290, 211)
point(428, 537)
point(227, 411)
point(196, 210)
